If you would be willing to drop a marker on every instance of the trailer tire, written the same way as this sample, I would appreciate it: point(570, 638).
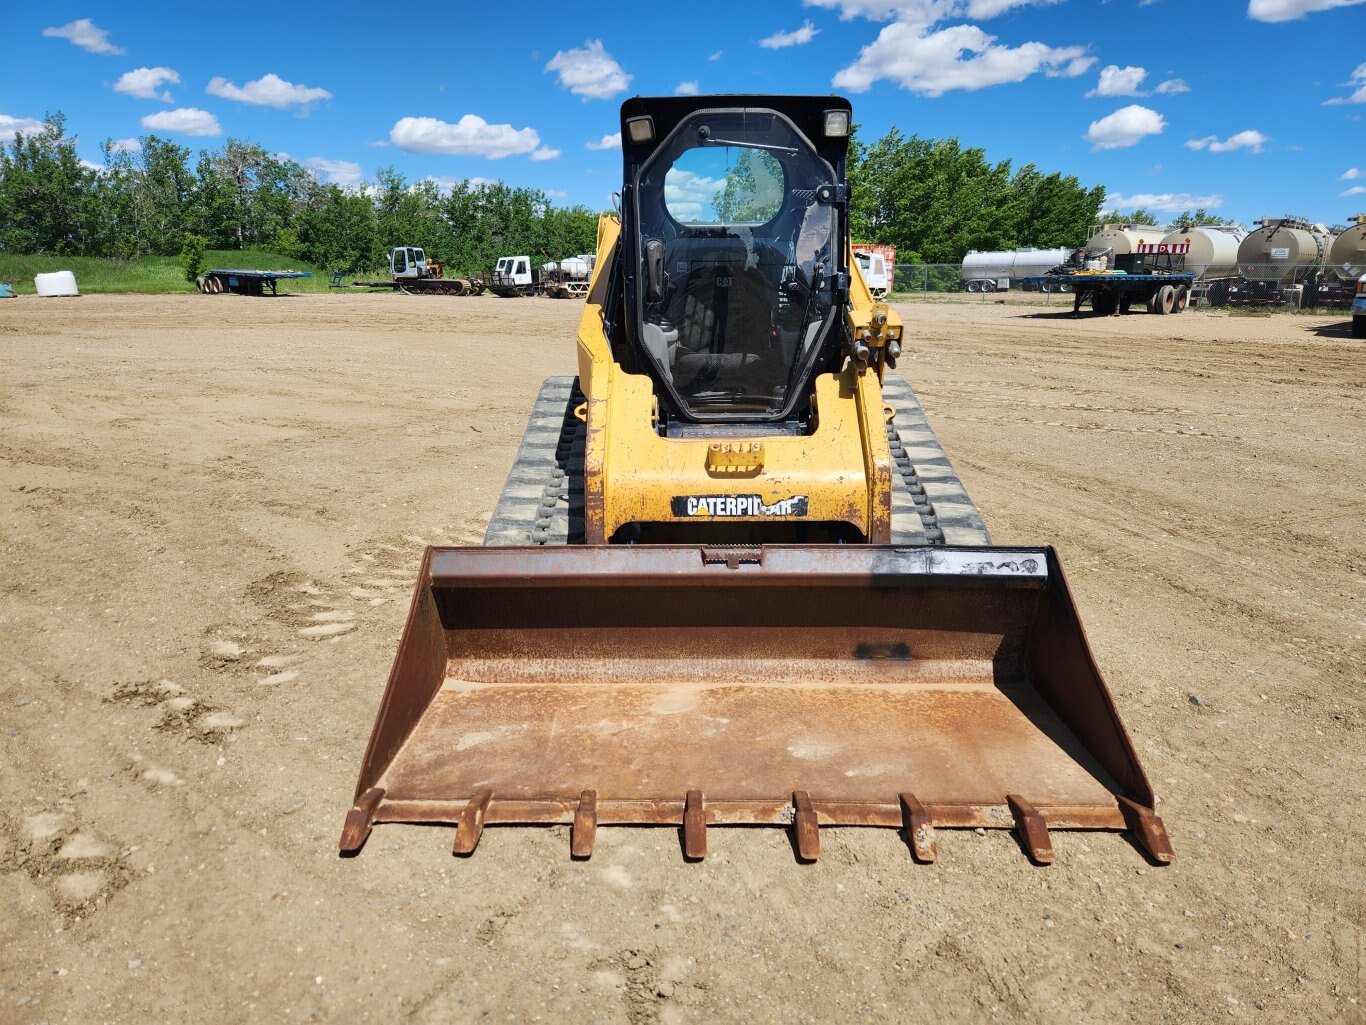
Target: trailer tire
point(215, 284)
point(1103, 303)
point(1165, 299)
point(1064, 287)
point(988, 286)
point(1183, 298)
point(199, 284)
point(974, 286)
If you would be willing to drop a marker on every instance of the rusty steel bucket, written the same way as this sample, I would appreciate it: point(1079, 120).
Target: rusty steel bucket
point(795, 686)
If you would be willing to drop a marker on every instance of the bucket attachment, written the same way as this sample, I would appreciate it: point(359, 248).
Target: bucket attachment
point(793, 686)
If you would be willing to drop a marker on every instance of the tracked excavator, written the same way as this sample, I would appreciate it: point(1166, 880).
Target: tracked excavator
point(733, 578)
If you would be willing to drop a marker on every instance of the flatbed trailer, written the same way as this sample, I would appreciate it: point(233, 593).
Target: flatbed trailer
point(1154, 274)
point(1111, 293)
point(244, 282)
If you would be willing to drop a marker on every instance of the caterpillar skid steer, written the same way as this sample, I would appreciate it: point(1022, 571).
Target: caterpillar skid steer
point(733, 579)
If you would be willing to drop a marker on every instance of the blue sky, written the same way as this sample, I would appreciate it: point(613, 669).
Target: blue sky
point(1249, 107)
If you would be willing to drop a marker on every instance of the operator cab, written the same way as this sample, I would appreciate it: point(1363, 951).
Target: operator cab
point(735, 249)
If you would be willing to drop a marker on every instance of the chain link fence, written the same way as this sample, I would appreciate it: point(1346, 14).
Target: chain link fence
point(1301, 287)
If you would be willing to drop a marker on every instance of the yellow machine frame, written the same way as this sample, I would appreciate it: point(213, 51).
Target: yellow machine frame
point(632, 475)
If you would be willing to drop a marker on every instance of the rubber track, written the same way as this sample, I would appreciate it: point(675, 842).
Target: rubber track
point(542, 502)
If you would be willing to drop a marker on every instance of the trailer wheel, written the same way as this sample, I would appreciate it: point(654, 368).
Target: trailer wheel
point(1183, 298)
point(1103, 304)
point(199, 284)
point(1151, 301)
point(988, 286)
point(1166, 299)
point(1064, 287)
point(974, 286)
point(215, 284)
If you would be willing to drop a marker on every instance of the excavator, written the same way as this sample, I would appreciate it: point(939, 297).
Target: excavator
point(733, 578)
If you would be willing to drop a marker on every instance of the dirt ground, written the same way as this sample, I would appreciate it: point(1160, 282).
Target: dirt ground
point(212, 513)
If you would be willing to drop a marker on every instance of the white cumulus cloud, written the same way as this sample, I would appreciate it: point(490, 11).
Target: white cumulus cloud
point(1117, 81)
point(1289, 10)
point(87, 35)
point(144, 83)
point(1248, 139)
point(267, 91)
point(183, 121)
point(471, 136)
point(687, 89)
point(544, 153)
point(1125, 127)
point(797, 37)
point(922, 12)
point(1162, 202)
point(1351, 174)
point(932, 63)
point(612, 141)
point(590, 72)
point(688, 194)
point(335, 172)
point(1171, 87)
point(10, 125)
point(125, 146)
point(1357, 79)
point(1355, 190)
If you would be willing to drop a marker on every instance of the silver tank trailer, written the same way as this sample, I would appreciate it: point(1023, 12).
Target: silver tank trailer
point(1013, 263)
point(1121, 239)
point(1347, 258)
point(1284, 251)
point(1213, 248)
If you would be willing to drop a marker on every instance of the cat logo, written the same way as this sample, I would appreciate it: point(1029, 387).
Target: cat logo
point(723, 281)
point(737, 505)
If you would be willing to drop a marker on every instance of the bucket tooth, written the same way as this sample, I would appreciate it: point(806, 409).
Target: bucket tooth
point(471, 824)
point(359, 820)
point(1033, 829)
point(805, 827)
point(585, 830)
point(694, 826)
point(1148, 830)
point(919, 828)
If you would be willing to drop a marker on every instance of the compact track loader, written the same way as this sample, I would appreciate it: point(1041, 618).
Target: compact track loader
point(733, 578)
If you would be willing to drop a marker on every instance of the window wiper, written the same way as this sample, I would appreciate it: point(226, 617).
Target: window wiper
point(790, 151)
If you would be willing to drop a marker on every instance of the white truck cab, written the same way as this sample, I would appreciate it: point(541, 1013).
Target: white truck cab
point(874, 268)
point(408, 262)
point(513, 270)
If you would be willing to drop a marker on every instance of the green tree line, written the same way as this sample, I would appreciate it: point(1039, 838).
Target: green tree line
point(242, 197)
point(934, 199)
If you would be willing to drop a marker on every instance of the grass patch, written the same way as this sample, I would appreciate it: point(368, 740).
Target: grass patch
point(151, 274)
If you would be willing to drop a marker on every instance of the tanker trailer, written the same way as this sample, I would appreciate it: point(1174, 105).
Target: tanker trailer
point(1347, 258)
point(1110, 240)
point(1281, 263)
point(569, 278)
point(1212, 258)
point(990, 272)
point(1346, 263)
